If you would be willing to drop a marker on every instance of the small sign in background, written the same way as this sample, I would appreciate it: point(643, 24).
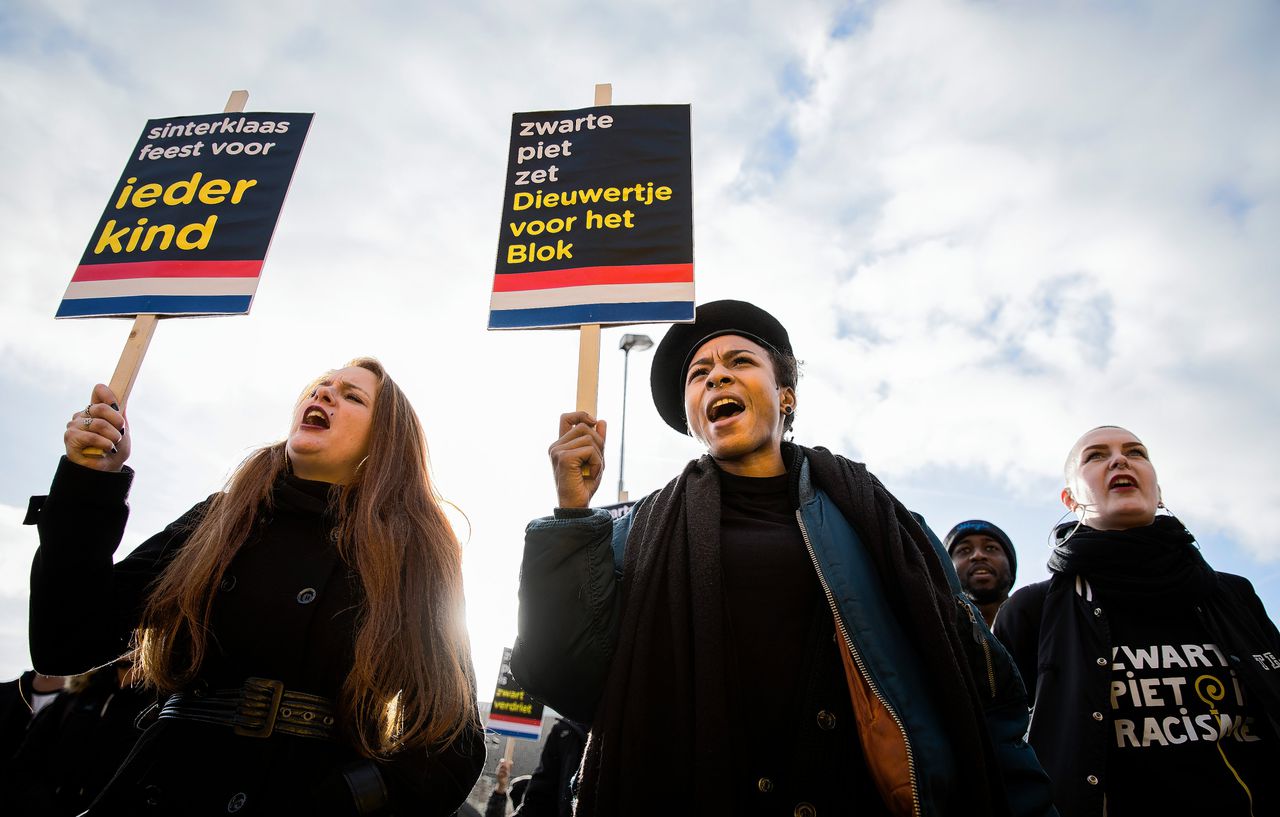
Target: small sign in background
point(513, 713)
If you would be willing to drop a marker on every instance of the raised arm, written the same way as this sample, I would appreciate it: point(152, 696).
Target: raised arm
point(569, 592)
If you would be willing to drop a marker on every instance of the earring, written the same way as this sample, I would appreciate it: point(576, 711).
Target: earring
point(788, 410)
point(1054, 527)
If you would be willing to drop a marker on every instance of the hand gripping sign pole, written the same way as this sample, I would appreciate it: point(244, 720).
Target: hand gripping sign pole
point(144, 326)
point(187, 228)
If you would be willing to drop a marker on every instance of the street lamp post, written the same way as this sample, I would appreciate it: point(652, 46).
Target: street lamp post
point(628, 342)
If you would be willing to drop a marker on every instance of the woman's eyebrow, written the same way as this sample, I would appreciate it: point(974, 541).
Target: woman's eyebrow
point(343, 384)
point(702, 361)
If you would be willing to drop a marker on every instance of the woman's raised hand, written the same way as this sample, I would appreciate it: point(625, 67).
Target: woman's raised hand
point(100, 426)
point(577, 458)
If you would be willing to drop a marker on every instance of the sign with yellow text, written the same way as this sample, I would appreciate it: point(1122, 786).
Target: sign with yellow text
point(513, 713)
point(188, 226)
point(597, 221)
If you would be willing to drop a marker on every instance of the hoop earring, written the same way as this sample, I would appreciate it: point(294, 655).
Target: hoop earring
point(288, 466)
point(1054, 527)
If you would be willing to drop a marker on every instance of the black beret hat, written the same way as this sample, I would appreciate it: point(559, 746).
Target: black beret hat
point(981, 527)
point(671, 360)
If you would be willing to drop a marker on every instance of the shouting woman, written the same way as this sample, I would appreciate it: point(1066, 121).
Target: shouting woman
point(302, 628)
point(772, 632)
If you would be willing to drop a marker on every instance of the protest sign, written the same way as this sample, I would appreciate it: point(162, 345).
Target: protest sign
point(513, 713)
point(597, 220)
point(187, 227)
point(198, 172)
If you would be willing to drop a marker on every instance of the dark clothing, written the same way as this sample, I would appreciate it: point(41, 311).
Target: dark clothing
point(1167, 754)
point(634, 608)
point(770, 593)
point(15, 713)
point(1072, 643)
point(286, 609)
point(496, 806)
point(794, 723)
point(74, 746)
point(550, 791)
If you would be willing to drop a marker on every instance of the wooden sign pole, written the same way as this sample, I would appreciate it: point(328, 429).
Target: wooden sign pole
point(589, 334)
point(144, 326)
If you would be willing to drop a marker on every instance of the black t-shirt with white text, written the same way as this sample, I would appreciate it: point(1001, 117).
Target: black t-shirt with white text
point(1185, 738)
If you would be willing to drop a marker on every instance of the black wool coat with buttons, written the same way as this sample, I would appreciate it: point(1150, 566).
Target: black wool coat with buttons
point(287, 610)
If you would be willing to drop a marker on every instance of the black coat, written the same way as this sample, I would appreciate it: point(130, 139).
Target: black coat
point(1061, 642)
point(74, 746)
point(286, 609)
point(15, 714)
point(550, 791)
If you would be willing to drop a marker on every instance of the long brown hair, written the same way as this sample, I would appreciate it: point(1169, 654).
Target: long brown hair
point(412, 683)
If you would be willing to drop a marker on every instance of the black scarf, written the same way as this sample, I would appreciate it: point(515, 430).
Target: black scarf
point(1135, 566)
point(662, 733)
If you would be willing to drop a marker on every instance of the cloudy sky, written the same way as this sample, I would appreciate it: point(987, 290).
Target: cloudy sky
point(989, 226)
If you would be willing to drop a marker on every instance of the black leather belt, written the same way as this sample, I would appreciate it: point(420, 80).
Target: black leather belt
point(259, 709)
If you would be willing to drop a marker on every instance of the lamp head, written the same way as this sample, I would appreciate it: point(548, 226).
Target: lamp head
point(637, 342)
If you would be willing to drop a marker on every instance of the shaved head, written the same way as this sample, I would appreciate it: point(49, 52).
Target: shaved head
point(1073, 456)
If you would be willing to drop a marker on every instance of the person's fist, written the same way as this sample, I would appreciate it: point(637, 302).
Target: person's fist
point(504, 775)
point(96, 436)
point(577, 459)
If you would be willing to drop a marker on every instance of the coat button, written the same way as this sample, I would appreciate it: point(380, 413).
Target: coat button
point(306, 595)
point(805, 810)
point(151, 797)
point(236, 802)
point(1092, 779)
point(765, 785)
point(1097, 716)
point(227, 584)
point(1102, 662)
point(826, 721)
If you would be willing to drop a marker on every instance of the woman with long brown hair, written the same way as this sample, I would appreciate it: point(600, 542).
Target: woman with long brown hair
point(302, 628)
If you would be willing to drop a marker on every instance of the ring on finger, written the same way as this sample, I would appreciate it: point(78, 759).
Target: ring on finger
point(86, 422)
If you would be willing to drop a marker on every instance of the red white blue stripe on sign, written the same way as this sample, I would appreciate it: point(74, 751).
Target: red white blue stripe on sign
point(161, 288)
point(514, 727)
point(605, 295)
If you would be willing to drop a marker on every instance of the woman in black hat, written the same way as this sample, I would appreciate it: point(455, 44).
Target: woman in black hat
point(771, 633)
point(1155, 678)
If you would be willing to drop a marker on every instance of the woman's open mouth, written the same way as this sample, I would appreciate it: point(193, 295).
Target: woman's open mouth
point(315, 417)
point(724, 408)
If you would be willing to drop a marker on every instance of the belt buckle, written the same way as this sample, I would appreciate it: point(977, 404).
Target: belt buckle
point(258, 693)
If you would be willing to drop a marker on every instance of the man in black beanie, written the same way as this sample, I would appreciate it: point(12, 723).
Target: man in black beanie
point(986, 562)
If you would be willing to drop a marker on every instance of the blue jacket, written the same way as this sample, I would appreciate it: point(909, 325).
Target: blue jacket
point(569, 615)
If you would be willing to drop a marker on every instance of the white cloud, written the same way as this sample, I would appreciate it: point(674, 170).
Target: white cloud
point(989, 226)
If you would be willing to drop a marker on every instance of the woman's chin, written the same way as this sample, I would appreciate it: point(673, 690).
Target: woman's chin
point(1124, 520)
